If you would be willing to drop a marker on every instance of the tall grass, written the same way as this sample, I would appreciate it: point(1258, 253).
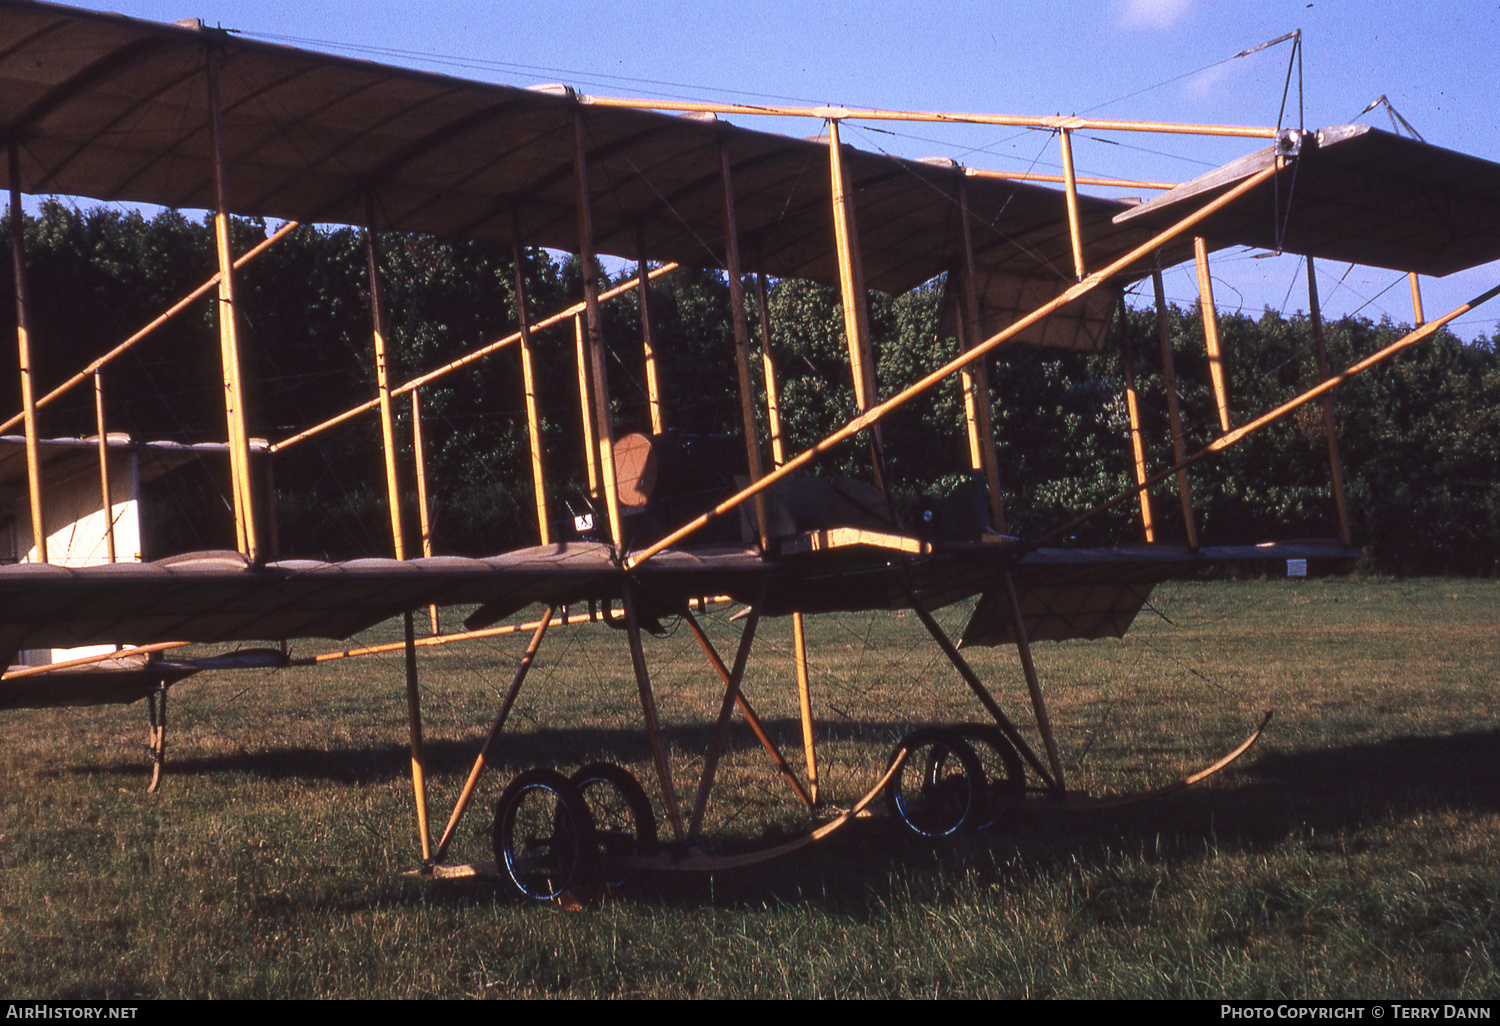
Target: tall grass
point(1351, 853)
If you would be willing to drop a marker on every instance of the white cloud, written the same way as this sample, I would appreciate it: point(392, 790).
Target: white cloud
point(1153, 14)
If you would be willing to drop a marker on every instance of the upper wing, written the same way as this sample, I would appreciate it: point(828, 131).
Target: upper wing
point(1352, 193)
point(118, 109)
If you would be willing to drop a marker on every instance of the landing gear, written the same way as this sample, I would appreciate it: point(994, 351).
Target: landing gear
point(156, 709)
point(623, 821)
point(544, 839)
point(940, 789)
point(1004, 775)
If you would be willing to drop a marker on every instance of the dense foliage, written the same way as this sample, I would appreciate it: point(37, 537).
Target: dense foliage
point(1420, 434)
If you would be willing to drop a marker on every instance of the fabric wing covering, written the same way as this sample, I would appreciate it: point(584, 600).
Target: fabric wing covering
point(114, 108)
point(1097, 593)
point(1354, 194)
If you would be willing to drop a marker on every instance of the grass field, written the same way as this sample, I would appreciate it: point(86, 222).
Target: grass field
point(1352, 852)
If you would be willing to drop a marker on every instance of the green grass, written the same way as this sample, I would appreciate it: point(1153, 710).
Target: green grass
point(1350, 853)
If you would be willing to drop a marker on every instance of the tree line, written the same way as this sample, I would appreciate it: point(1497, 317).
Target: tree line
point(1419, 434)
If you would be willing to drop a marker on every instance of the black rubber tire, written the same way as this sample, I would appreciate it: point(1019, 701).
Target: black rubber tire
point(939, 790)
point(624, 823)
point(1004, 773)
point(544, 836)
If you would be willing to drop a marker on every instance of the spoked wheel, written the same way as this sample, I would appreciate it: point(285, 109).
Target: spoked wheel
point(623, 821)
point(1004, 773)
point(544, 835)
point(939, 790)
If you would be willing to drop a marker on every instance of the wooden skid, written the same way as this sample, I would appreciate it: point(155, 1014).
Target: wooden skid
point(697, 861)
point(1078, 801)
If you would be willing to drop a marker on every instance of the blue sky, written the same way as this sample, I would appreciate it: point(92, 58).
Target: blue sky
point(1145, 59)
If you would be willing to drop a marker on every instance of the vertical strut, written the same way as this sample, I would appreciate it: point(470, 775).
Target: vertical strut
point(594, 334)
point(424, 513)
point(106, 495)
point(742, 345)
point(768, 367)
point(528, 379)
point(648, 336)
point(229, 346)
point(495, 728)
point(1211, 331)
point(383, 384)
point(23, 346)
point(414, 726)
point(1070, 185)
point(804, 706)
point(778, 457)
point(586, 408)
point(1330, 432)
point(648, 711)
point(1132, 406)
point(975, 377)
point(1174, 416)
point(852, 289)
point(156, 711)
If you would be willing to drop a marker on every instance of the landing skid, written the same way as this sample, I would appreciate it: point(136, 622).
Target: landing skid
point(1080, 801)
point(696, 861)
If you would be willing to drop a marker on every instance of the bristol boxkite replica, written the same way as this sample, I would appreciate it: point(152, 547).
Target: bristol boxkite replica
point(101, 106)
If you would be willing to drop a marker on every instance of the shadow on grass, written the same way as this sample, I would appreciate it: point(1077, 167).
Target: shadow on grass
point(1256, 805)
point(365, 764)
point(1324, 793)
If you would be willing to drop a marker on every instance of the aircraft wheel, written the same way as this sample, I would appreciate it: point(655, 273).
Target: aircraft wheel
point(1004, 773)
point(544, 835)
point(623, 821)
point(939, 790)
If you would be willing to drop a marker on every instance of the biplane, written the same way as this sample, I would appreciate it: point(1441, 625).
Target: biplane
point(115, 109)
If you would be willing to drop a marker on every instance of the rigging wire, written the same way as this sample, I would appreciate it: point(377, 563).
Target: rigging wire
point(1296, 34)
point(688, 90)
point(483, 64)
point(991, 225)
